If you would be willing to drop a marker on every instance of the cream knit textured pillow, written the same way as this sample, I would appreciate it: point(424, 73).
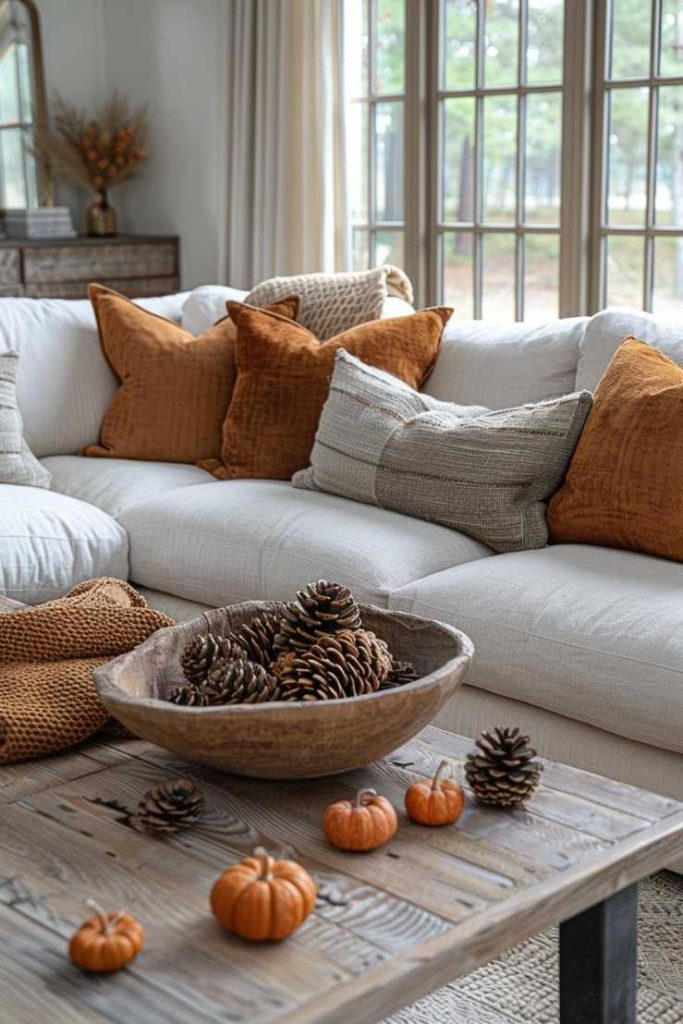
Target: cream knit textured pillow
point(18, 464)
point(330, 304)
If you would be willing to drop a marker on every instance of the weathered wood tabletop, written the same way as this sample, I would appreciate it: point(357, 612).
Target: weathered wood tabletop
point(389, 927)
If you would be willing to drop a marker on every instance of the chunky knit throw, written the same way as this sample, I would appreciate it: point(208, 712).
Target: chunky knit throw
point(48, 699)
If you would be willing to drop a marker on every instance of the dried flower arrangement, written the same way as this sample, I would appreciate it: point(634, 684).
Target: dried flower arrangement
point(99, 151)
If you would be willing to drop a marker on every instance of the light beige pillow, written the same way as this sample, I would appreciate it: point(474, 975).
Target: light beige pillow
point(18, 464)
point(486, 474)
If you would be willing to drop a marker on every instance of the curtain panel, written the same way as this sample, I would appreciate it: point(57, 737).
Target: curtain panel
point(287, 204)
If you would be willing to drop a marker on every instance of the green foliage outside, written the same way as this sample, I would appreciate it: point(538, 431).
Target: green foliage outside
point(626, 140)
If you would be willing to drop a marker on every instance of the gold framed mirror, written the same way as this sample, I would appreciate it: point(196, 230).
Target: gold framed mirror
point(24, 182)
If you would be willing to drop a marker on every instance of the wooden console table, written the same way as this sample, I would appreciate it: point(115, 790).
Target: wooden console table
point(135, 265)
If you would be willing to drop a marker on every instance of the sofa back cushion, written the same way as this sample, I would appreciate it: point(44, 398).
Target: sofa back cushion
point(64, 384)
point(503, 365)
point(605, 333)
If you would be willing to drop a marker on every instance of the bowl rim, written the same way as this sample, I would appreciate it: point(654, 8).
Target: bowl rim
point(112, 694)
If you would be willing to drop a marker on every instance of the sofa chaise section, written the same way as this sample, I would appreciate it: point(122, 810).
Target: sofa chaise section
point(49, 542)
point(115, 485)
point(591, 634)
point(238, 540)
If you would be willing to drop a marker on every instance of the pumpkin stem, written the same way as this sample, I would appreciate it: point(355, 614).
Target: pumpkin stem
point(266, 863)
point(361, 795)
point(442, 772)
point(107, 925)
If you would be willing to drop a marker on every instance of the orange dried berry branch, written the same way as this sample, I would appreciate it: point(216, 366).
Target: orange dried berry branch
point(99, 151)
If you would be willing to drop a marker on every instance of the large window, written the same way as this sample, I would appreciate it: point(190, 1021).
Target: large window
point(638, 250)
point(516, 173)
point(375, 76)
point(499, 117)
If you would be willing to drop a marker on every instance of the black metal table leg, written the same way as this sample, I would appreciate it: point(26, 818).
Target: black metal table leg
point(598, 962)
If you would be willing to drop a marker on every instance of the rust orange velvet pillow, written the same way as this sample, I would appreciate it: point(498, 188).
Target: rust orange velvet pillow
point(175, 388)
point(283, 377)
point(624, 485)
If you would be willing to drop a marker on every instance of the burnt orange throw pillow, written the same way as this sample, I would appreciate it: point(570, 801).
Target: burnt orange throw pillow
point(624, 484)
point(283, 377)
point(175, 388)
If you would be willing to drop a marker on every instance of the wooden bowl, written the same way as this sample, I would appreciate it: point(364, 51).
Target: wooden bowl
point(286, 739)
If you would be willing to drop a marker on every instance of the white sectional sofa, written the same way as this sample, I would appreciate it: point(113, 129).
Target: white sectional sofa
point(582, 646)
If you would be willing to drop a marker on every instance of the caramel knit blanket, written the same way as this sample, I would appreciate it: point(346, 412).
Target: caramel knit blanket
point(48, 699)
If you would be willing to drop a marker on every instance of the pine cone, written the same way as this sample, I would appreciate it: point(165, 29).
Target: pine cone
point(402, 672)
point(257, 638)
point(503, 772)
point(170, 806)
point(241, 682)
point(283, 664)
point(321, 609)
point(351, 663)
point(200, 655)
point(190, 695)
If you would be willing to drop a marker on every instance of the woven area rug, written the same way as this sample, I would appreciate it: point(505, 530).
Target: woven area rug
point(521, 987)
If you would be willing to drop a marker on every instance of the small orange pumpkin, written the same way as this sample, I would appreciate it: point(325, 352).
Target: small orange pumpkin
point(436, 801)
point(262, 898)
point(106, 941)
point(362, 824)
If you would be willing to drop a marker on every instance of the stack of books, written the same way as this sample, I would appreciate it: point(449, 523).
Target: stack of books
point(41, 222)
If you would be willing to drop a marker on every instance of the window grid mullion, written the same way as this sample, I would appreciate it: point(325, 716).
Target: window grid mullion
point(520, 163)
point(652, 129)
point(477, 240)
point(372, 138)
point(498, 90)
point(648, 240)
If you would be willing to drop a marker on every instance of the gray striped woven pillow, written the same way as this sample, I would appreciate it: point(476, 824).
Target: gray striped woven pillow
point(18, 464)
point(487, 474)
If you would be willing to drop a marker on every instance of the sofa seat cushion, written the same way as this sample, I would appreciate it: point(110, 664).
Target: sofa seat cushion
point(236, 540)
point(591, 633)
point(116, 484)
point(49, 542)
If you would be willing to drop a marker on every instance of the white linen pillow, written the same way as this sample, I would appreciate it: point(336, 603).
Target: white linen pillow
point(206, 304)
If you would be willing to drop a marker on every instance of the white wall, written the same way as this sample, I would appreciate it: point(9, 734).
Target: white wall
point(169, 54)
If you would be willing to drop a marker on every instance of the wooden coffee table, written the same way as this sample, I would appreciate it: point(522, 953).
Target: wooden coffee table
point(390, 926)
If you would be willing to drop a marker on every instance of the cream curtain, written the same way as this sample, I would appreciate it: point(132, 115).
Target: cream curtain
point(286, 189)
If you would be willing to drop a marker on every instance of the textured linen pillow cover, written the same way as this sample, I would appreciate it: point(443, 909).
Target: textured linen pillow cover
point(175, 389)
point(486, 474)
point(283, 377)
point(18, 464)
point(624, 487)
